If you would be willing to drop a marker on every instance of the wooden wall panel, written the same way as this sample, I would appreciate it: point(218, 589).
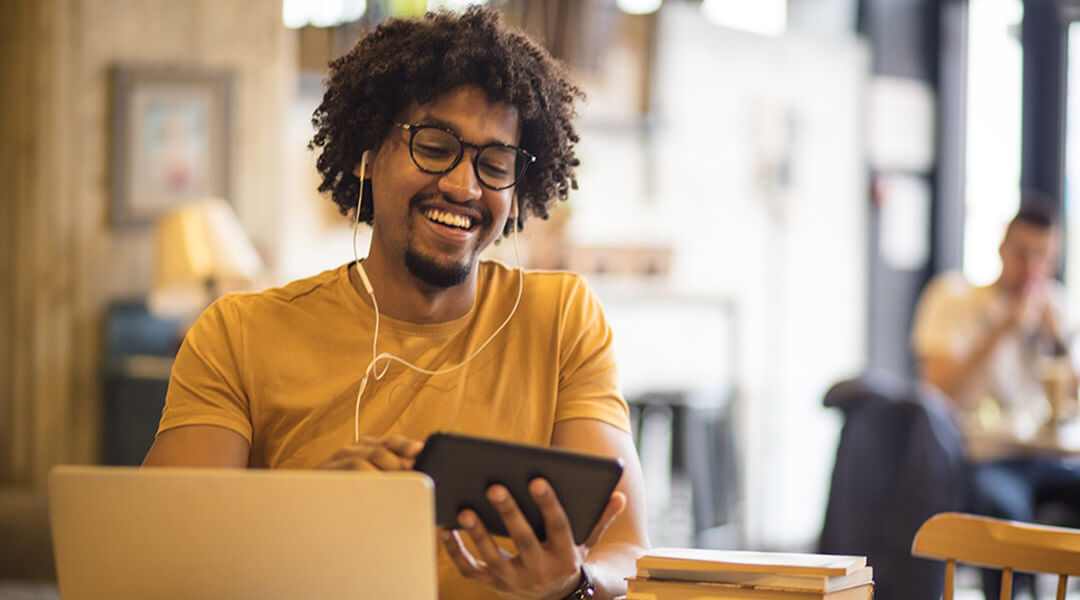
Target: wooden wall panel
point(61, 262)
point(13, 18)
point(37, 336)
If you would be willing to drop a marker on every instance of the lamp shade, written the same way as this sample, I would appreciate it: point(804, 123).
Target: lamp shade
point(200, 250)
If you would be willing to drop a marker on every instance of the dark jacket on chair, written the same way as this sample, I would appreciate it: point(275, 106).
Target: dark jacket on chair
point(900, 461)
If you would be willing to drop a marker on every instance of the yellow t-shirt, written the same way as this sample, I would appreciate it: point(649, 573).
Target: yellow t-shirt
point(282, 368)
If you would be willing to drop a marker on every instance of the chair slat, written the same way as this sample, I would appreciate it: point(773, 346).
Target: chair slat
point(950, 579)
point(997, 543)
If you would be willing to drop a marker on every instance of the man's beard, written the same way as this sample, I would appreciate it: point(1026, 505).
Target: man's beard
point(435, 273)
point(430, 270)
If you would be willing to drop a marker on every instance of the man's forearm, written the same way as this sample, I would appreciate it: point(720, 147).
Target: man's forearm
point(953, 377)
point(610, 565)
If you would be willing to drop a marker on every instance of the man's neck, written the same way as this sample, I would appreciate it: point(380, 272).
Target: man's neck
point(403, 296)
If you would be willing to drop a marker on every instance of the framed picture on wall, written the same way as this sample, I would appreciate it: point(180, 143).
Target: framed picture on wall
point(172, 139)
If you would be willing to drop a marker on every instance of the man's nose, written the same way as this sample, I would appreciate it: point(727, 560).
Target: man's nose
point(460, 184)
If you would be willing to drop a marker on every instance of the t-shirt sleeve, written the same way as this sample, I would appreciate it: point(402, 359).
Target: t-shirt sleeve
point(206, 386)
point(938, 314)
point(588, 377)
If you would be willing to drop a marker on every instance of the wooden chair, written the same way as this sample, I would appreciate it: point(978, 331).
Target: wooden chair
point(1007, 545)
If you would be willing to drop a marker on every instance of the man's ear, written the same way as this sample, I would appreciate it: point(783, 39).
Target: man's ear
point(361, 168)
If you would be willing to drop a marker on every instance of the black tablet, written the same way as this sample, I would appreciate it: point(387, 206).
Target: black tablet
point(464, 467)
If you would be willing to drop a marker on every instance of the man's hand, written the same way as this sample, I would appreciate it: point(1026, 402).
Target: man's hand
point(1029, 308)
point(541, 570)
point(953, 375)
point(393, 453)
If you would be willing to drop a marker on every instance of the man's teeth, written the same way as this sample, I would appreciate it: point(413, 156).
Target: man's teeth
point(445, 218)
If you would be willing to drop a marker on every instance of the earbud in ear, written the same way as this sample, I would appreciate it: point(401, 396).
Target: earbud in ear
point(363, 164)
point(361, 173)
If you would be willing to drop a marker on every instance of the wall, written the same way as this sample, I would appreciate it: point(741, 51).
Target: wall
point(37, 265)
point(62, 262)
point(756, 177)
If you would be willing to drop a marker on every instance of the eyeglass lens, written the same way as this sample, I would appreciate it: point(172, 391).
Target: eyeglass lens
point(436, 150)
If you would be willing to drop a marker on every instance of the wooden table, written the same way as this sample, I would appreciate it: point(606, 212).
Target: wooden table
point(1062, 440)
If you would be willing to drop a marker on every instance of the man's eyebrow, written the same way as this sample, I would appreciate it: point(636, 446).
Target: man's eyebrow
point(429, 120)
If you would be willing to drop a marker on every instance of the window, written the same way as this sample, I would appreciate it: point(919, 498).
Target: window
point(994, 100)
point(1072, 166)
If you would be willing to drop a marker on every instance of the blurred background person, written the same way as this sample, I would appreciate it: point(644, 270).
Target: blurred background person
point(992, 349)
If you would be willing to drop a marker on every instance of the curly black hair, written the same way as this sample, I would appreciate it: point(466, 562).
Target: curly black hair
point(404, 61)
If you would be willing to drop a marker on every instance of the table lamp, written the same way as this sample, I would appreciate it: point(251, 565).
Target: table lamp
point(201, 252)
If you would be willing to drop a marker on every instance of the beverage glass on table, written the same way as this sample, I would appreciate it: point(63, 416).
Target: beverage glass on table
point(1060, 385)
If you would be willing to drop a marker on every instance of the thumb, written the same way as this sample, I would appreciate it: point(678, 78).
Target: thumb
point(612, 510)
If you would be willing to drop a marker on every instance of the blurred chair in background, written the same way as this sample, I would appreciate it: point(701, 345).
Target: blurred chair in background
point(687, 440)
point(899, 461)
point(139, 350)
point(1007, 545)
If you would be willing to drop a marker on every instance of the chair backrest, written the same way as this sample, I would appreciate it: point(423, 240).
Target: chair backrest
point(898, 463)
point(1008, 545)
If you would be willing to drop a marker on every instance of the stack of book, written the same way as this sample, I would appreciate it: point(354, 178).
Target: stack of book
point(692, 574)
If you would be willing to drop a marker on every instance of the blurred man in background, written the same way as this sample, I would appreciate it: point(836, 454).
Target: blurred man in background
point(1000, 353)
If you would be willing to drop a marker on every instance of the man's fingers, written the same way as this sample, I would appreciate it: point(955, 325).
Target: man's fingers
point(403, 446)
point(388, 460)
point(493, 556)
point(365, 454)
point(516, 524)
point(556, 523)
point(348, 464)
point(394, 453)
point(465, 562)
point(398, 444)
point(612, 510)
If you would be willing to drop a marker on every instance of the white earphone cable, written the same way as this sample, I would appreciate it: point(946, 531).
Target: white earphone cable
point(370, 369)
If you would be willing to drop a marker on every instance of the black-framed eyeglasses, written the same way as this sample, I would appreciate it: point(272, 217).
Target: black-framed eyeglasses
point(437, 150)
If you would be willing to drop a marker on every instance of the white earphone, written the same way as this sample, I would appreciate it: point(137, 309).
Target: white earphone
point(376, 357)
point(356, 227)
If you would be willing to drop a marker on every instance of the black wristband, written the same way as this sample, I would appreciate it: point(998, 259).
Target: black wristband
point(584, 589)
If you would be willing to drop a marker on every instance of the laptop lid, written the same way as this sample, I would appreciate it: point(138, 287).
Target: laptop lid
point(121, 532)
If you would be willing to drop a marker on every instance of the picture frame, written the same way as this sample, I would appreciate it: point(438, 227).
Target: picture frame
point(172, 139)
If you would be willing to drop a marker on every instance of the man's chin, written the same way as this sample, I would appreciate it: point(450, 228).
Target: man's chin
point(435, 273)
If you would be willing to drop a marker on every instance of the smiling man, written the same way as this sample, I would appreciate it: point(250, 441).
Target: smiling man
point(443, 134)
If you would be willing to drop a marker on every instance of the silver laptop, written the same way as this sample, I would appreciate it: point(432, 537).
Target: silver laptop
point(119, 532)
